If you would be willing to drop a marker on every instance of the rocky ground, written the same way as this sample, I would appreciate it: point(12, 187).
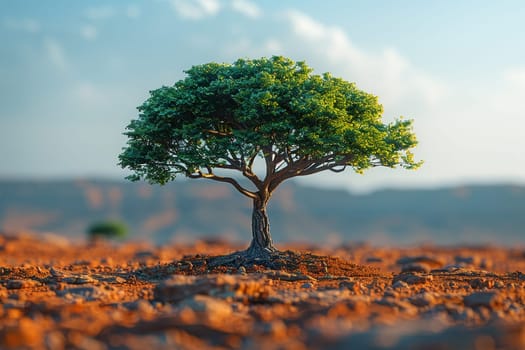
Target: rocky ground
point(55, 294)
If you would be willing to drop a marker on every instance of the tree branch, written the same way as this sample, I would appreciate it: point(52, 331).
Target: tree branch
point(231, 181)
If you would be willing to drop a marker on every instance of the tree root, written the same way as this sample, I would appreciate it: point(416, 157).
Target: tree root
point(247, 257)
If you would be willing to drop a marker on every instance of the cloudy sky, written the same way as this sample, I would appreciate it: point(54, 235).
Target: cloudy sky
point(72, 73)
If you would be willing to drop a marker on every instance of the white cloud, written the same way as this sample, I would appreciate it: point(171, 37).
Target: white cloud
point(89, 32)
point(88, 94)
point(387, 73)
point(133, 11)
point(196, 9)
point(100, 12)
point(515, 76)
point(55, 53)
point(247, 8)
point(273, 45)
point(28, 25)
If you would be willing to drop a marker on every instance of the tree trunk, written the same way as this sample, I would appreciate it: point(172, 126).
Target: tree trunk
point(262, 243)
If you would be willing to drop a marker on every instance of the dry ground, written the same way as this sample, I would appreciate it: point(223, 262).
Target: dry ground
point(55, 294)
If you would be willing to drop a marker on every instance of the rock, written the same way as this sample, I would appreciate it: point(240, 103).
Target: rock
point(241, 270)
point(276, 329)
point(423, 299)
point(352, 286)
point(87, 293)
point(486, 299)
point(141, 306)
point(399, 285)
point(55, 340)
point(401, 305)
point(56, 272)
point(19, 284)
point(180, 287)
point(287, 276)
point(79, 279)
point(467, 260)
point(374, 259)
point(499, 284)
point(412, 279)
point(449, 268)
point(211, 309)
point(480, 283)
point(416, 267)
point(420, 259)
point(307, 285)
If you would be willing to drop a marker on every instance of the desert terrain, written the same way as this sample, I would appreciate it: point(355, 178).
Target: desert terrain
point(59, 294)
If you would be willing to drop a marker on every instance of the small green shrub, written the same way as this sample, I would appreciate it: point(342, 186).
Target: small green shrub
point(107, 229)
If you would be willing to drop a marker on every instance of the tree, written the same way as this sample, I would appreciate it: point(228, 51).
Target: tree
point(217, 121)
point(107, 229)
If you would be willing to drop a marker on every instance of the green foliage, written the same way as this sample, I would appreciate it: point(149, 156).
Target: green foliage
point(223, 116)
point(107, 229)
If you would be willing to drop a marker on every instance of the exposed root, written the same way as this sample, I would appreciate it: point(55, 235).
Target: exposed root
point(246, 257)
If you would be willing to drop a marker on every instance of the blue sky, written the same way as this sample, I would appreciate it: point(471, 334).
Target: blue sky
point(72, 73)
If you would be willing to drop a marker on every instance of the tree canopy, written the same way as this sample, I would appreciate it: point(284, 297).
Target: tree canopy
point(225, 116)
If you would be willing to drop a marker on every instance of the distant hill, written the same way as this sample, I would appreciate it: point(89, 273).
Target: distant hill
point(184, 209)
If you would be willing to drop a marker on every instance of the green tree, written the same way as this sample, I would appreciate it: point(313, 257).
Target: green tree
point(217, 121)
point(107, 229)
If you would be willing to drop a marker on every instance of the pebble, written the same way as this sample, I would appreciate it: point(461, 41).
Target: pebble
point(416, 267)
point(374, 259)
point(419, 259)
point(486, 299)
point(352, 286)
point(80, 279)
point(212, 309)
point(400, 285)
point(411, 278)
point(89, 293)
point(467, 260)
point(19, 284)
point(423, 299)
point(480, 283)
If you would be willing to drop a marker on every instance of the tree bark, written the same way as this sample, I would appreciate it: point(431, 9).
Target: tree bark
point(262, 243)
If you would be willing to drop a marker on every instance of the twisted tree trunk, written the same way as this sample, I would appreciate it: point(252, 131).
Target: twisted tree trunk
point(262, 243)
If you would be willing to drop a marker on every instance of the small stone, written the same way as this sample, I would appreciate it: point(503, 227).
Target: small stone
point(80, 279)
point(499, 284)
point(352, 286)
point(466, 260)
point(401, 305)
point(374, 259)
point(242, 270)
point(19, 284)
point(212, 309)
point(86, 293)
point(480, 283)
point(486, 299)
point(307, 285)
point(275, 329)
point(416, 267)
point(420, 259)
point(423, 299)
point(413, 278)
point(55, 340)
point(399, 285)
point(55, 272)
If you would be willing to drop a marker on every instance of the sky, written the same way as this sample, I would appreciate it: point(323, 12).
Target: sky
point(73, 72)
